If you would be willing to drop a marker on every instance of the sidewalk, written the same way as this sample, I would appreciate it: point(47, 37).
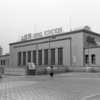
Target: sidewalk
point(66, 86)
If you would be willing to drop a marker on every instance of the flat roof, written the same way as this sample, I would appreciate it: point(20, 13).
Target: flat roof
point(4, 55)
point(65, 33)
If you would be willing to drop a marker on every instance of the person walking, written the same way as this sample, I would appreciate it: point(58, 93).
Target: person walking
point(51, 73)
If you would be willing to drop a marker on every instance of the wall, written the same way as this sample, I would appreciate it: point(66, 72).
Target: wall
point(65, 44)
point(96, 51)
point(72, 47)
point(77, 49)
point(93, 47)
point(15, 71)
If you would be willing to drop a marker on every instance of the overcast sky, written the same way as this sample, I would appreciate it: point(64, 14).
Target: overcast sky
point(18, 17)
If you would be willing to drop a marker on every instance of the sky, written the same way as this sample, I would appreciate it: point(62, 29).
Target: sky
point(18, 17)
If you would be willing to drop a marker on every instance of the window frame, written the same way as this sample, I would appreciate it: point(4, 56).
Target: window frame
point(34, 57)
point(24, 58)
point(46, 57)
point(39, 57)
point(93, 59)
point(53, 56)
point(86, 59)
point(60, 56)
point(19, 58)
point(29, 57)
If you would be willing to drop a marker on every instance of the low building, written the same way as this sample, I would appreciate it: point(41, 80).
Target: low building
point(69, 51)
point(4, 60)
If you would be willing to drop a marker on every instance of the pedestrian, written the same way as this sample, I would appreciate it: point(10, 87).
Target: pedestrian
point(51, 73)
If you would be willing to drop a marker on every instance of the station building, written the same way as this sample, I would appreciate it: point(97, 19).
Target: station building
point(68, 51)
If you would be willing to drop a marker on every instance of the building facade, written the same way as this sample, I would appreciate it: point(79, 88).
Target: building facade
point(70, 51)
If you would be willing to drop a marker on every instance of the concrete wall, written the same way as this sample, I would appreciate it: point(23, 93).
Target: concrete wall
point(15, 71)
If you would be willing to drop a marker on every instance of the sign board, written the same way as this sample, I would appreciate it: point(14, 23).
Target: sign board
point(41, 34)
point(90, 39)
point(31, 65)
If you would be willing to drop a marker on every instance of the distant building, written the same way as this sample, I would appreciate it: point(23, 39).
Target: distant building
point(4, 60)
point(1, 50)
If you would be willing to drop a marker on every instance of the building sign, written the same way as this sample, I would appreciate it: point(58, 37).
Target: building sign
point(41, 34)
point(90, 39)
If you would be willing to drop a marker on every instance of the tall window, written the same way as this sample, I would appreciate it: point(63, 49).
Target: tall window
point(1, 62)
point(40, 57)
point(34, 57)
point(46, 57)
point(19, 58)
point(8, 62)
point(60, 56)
point(52, 56)
point(86, 59)
point(24, 58)
point(93, 59)
point(29, 56)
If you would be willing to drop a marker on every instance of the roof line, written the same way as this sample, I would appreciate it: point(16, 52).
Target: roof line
point(65, 33)
point(3, 55)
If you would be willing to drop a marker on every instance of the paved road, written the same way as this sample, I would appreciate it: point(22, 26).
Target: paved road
point(67, 86)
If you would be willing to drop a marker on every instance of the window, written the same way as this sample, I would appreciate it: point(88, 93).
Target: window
point(19, 58)
point(1, 62)
point(24, 58)
point(60, 56)
point(86, 59)
point(34, 57)
point(40, 57)
point(52, 56)
point(46, 57)
point(8, 62)
point(29, 56)
point(93, 59)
